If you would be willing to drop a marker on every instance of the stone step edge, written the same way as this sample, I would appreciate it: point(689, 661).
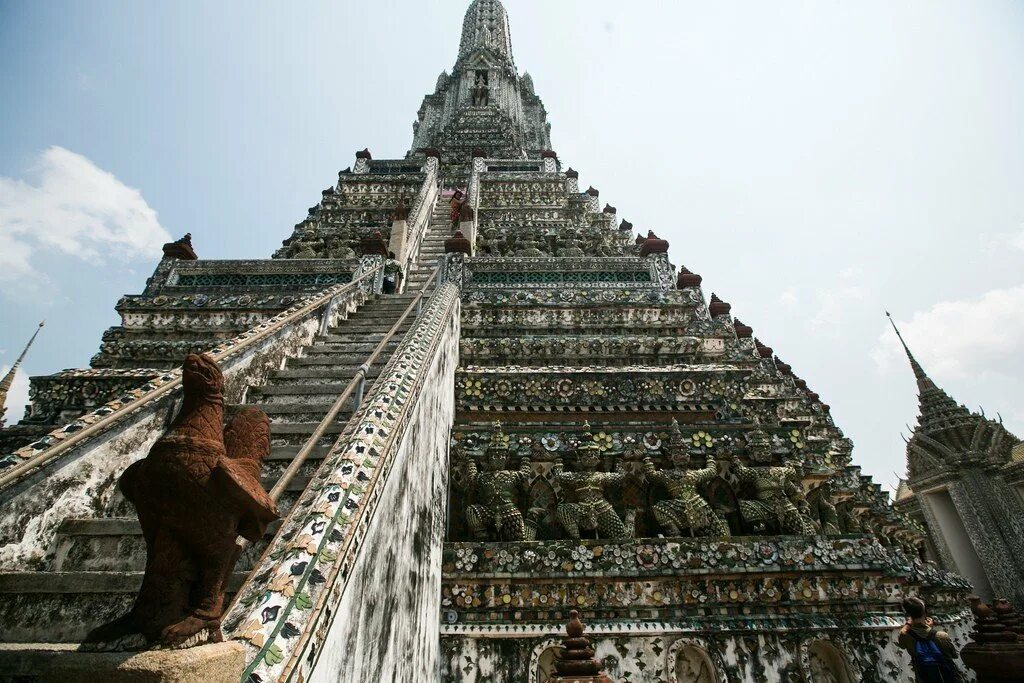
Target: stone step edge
point(42, 583)
point(118, 526)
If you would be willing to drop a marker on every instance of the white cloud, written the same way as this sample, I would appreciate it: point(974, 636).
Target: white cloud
point(963, 338)
point(17, 397)
point(70, 205)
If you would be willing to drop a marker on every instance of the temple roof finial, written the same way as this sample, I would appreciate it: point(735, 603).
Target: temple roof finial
point(8, 380)
point(919, 372)
point(936, 406)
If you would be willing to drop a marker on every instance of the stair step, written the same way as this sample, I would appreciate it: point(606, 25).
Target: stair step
point(328, 360)
point(371, 327)
point(318, 375)
point(62, 607)
point(287, 453)
point(303, 428)
point(362, 347)
point(379, 311)
point(115, 545)
point(374, 337)
point(318, 408)
point(328, 391)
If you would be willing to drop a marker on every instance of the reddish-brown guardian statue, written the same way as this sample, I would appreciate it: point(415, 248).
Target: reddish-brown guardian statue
point(196, 491)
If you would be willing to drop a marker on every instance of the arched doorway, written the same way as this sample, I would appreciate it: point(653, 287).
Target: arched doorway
point(690, 662)
point(826, 664)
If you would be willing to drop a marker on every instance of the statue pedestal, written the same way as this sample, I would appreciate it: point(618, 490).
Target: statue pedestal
point(213, 663)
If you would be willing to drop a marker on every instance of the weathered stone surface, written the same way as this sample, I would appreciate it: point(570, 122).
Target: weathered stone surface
point(213, 663)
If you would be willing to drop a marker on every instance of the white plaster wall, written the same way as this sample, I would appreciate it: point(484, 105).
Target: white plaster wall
point(958, 541)
point(386, 626)
point(871, 656)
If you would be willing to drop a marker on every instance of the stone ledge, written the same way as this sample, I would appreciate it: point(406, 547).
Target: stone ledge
point(214, 663)
point(83, 582)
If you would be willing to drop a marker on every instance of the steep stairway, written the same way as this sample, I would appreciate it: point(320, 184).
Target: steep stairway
point(98, 564)
point(432, 246)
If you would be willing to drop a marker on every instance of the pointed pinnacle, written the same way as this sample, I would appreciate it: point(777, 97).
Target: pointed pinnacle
point(8, 380)
point(919, 372)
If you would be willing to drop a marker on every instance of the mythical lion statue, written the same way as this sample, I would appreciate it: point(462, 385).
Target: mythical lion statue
point(196, 491)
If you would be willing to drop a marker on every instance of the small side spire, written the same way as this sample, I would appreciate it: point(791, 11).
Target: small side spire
point(8, 380)
point(919, 372)
point(936, 406)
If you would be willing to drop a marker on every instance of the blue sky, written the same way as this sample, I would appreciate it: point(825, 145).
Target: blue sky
point(815, 162)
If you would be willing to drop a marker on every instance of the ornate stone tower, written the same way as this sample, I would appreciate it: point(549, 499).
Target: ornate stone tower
point(964, 485)
point(492, 403)
point(484, 104)
point(8, 379)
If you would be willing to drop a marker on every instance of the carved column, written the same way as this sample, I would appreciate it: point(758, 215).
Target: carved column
point(362, 164)
point(993, 526)
point(399, 240)
point(375, 284)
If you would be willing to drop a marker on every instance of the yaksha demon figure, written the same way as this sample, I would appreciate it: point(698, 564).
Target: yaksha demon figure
point(686, 509)
point(591, 511)
point(494, 516)
point(822, 507)
point(196, 491)
point(768, 492)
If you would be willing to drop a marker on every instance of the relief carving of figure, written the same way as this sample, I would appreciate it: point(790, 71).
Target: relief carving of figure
point(481, 93)
point(495, 516)
point(824, 509)
point(849, 522)
point(768, 493)
point(591, 511)
point(685, 509)
point(196, 491)
point(693, 666)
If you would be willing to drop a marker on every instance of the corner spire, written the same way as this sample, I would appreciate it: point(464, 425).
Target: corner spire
point(8, 380)
point(919, 372)
point(936, 406)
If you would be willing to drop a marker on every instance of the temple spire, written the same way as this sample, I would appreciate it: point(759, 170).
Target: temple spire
point(919, 372)
point(936, 406)
point(486, 27)
point(8, 380)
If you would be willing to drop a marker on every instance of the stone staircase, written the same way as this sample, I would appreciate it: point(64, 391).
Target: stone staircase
point(98, 562)
point(432, 246)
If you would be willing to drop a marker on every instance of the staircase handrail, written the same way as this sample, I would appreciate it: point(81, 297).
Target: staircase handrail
point(355, 385)
point(422, 211)
point(99, 420)
point(238, 619)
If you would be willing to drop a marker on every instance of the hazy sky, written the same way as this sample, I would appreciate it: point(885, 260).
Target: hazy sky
point(816, 162)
